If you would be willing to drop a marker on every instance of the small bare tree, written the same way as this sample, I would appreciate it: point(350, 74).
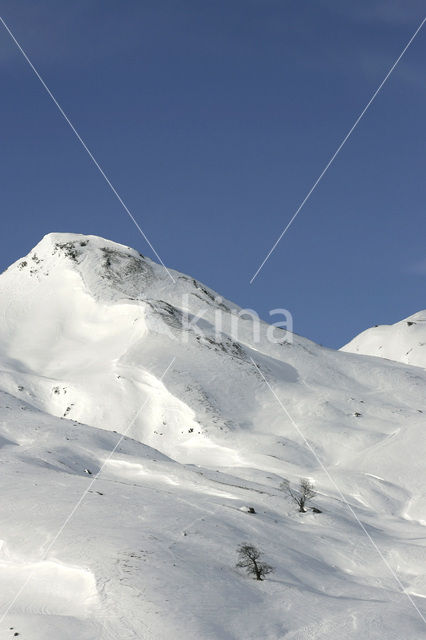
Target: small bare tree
point(302, 495)
point(249, 559)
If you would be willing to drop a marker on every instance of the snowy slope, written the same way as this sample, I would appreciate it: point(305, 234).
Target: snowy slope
point(88, 329)
point(404, 341)
point(150, 552)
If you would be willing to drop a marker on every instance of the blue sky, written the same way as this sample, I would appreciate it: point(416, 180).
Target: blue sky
point(213, 119)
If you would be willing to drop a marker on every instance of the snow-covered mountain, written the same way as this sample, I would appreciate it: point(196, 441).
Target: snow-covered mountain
point(404, 341)
point(94, 343)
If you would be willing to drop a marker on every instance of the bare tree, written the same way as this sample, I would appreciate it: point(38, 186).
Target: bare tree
point(302, 495)
point(249, 559)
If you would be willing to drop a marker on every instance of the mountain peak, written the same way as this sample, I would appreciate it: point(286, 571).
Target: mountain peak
point(404, 341)
point(94, 317)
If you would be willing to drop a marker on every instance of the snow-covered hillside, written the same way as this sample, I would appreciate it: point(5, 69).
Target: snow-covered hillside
point(404, 341)
point(93, 334)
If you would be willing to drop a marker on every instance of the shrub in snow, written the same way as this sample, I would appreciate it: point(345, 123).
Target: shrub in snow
point(302, 495)
point(249, 559)
point(248, 509)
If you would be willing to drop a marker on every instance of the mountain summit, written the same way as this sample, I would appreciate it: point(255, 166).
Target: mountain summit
point(404, 341)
